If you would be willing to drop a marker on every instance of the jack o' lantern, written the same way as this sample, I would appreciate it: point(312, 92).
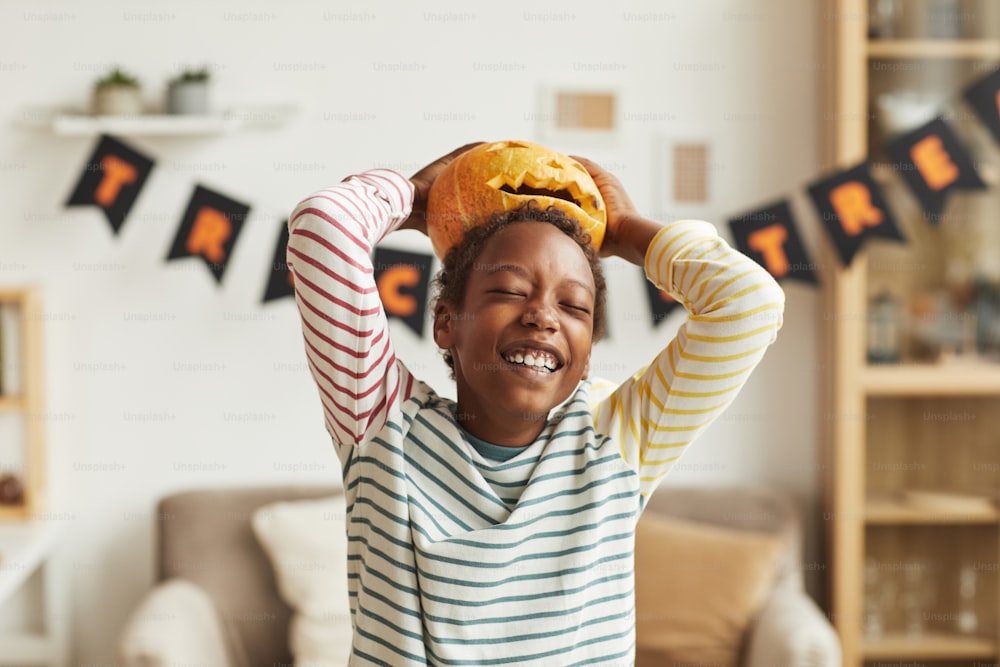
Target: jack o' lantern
point(502, 176)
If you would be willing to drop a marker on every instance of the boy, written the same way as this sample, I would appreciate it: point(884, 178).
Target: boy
point(496, 530)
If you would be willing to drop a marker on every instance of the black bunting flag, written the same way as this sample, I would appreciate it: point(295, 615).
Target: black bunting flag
point(279, 278)
point(984, 97)
point(111, 180)
point(851, 208)
point(661, 304)
point(768, 236)
point(209, 229)
point(933, 162)
point(403, 279)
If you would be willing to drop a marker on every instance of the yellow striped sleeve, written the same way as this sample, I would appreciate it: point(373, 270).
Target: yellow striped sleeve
point(734, 312)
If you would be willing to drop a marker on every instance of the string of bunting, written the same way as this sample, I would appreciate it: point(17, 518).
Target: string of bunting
point(850, 205)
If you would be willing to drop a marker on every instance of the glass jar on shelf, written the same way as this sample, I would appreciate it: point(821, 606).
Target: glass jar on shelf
point(967, 620)
point(879, 599)
point(917, 592)
point(885, 330)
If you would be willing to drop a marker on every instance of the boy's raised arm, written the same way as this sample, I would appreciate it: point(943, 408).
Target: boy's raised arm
point(734, 312)
point(331, 235)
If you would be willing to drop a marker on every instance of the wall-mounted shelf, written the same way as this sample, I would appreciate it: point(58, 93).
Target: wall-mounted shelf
point(77, 124)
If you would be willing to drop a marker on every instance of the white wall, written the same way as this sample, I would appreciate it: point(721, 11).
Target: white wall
point(220, 382)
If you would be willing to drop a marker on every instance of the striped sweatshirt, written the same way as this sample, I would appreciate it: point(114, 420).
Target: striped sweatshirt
point(456, 559)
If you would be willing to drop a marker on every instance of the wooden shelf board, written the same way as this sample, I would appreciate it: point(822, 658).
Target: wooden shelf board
point(946, 379)
point(929, 647)
point(14, 295)
point(934, 48)
point(892, 511)
point(13, 513)
point(11, 403)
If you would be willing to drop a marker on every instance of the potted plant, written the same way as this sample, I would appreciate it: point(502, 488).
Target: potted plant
point(187, 93)
point(117, 94)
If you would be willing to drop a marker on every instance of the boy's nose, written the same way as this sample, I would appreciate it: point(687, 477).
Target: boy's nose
point(540, 315)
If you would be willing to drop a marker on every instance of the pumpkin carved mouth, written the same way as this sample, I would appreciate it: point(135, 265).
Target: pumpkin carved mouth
point(563, 194)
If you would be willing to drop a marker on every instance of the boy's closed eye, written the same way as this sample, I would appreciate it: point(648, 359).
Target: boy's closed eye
point(517, 293)
point(582, 309)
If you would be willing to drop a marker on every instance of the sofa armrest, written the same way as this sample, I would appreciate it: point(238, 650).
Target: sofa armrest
point(791, 631)
point(175, 623)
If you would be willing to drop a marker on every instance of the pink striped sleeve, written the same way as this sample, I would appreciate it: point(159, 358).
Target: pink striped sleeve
point(331, 235)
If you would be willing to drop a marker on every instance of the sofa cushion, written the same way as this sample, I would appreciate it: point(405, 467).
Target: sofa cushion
point(174, 624)
point(697, 588)
point(307, 543)
point(205, 536)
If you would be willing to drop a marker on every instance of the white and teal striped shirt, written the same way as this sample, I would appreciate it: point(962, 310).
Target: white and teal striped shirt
point(459, 559)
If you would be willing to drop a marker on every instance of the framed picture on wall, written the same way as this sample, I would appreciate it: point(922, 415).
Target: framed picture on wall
point(575, 115)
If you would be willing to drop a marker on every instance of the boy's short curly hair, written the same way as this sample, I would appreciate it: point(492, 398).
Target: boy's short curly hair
point(450, 282)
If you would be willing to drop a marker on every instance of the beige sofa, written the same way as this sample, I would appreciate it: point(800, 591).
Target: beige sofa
point(216, 600)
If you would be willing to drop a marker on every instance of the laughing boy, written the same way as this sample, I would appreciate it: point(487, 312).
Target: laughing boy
point(498, 528)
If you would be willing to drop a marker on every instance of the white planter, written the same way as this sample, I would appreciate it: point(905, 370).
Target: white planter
point(117, 101)
point(189, 97)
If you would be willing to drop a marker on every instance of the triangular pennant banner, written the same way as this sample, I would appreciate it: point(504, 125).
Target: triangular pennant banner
point(111, 180)
point(768, 236)
point(852, 207)
point(933, 162)
point(209, 229)
point(279, 278)
point(984, 97)
point(402, 279)
point(661, 304)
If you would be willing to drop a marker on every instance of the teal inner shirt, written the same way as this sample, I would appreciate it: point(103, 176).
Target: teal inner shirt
point(491, 451)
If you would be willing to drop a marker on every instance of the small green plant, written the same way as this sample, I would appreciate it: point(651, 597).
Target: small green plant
point(117, 77)
point(192, 76)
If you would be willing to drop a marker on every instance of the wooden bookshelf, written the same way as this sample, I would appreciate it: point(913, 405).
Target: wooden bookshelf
point(914, 427)
point(21, 397)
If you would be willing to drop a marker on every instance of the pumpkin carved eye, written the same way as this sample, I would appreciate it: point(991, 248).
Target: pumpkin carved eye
point(502, 176)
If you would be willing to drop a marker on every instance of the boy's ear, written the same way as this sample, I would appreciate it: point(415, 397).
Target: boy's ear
point(443, 325)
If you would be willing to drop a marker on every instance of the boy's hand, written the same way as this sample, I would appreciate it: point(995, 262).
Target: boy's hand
point(422, 182)
point(628, 234)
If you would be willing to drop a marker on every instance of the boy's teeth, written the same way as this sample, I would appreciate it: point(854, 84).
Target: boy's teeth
point(535, 360)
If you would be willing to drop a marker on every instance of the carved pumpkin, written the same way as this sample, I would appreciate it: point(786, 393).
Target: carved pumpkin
point(503, 175)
